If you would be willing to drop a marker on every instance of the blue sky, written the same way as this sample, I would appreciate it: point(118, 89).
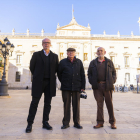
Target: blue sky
point(109, 15)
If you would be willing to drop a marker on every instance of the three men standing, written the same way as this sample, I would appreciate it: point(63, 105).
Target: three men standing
point(43, 66)
point(102, 76)
point(72, 77)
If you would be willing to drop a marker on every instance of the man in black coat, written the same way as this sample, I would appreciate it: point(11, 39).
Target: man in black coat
point(43, 66)
point(72, 77)
point(102, 76)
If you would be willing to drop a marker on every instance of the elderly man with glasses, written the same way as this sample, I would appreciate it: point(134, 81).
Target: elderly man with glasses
point(43, 66)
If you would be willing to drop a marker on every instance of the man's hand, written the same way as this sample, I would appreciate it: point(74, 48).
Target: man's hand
point(82, 90)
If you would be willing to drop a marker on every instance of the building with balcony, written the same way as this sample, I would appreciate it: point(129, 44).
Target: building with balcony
point(123, 50)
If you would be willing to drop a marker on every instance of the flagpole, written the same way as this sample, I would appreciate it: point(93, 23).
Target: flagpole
point(139, 24)
point(72, 11)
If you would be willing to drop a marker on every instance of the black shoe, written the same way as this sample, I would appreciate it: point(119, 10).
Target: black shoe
point(29, 128)
point(47, 126)
point(78, 126)
point(64, 126)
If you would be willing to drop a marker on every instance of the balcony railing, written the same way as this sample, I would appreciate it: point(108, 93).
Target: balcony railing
point(54, 34)
point(114, 36)
point(25, 34)
point(126, 65)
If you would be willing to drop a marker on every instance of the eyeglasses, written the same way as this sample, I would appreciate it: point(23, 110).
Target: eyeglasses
point(46, 43)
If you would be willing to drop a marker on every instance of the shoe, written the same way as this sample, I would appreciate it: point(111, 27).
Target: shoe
point(47, 126)
point(29, 128)
point(98, 126)
point(78, 126)
point(65, 126)
point(113, 126)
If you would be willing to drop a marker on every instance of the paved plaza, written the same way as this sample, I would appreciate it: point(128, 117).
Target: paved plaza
point(14, 111)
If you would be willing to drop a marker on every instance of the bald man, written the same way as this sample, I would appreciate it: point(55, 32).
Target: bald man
point(102, 76)
point(43, 66)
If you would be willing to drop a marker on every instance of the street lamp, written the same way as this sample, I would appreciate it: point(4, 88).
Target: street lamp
point(5, 48)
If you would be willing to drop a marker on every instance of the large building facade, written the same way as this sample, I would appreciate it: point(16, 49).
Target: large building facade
point(123, 50)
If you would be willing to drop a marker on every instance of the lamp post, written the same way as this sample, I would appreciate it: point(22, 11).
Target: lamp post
point(5, 48)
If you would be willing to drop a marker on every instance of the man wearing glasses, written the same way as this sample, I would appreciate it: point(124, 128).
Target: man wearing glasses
point(43, 66)
point(72, 77)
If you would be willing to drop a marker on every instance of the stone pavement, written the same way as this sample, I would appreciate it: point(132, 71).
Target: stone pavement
point(14, 111)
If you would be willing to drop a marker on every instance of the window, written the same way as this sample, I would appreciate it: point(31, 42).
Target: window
point(61, 56)
point(112, 58)
point(126, 60)
point(17, 76)
point(19, 59)
point(85, 57)
point(127, 76)
point(111, 47)
point(126, 48)
point(34, 46)
point(97, 47)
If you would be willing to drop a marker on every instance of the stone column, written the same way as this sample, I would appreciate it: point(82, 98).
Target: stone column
point(92, 46)
point(65, 49)
point(58, 84)
point(90, 51)
point(81, 54)
point(58, 46)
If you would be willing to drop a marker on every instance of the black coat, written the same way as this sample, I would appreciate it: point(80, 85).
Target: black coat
point(71, 75)
point(37, 69)
point(110, 74)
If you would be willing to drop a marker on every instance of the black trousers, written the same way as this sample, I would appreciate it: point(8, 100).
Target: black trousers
point(35, 102)
point(66, 96)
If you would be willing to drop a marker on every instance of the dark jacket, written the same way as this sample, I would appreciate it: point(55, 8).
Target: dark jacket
point(71, 75)
point(37, 68)
point(110, 74)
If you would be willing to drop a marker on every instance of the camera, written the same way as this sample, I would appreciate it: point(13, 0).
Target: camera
point(83, 95)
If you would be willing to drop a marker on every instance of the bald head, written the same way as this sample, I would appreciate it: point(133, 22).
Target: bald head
point(101, 52)
point(46, 43)
point(100, 48)
point(46, 40)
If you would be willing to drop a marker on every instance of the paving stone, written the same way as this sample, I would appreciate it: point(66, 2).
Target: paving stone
point(14, 112)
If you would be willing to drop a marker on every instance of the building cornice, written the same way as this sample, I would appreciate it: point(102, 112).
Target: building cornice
point(75, 29)
point(70, 37)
